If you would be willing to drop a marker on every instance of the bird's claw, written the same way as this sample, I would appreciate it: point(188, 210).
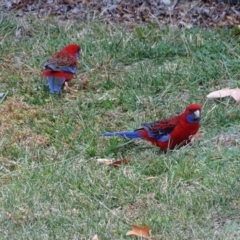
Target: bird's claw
point(69, 88)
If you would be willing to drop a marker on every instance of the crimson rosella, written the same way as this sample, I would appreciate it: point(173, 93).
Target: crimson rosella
point(169, 133)
point(60, 68)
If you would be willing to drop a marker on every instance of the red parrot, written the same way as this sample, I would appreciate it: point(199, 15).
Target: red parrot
point(169, 133)
point(60, 68)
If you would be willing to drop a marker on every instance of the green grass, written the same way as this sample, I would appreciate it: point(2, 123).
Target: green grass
point(51, 184)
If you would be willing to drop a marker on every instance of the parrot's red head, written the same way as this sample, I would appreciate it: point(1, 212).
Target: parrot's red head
point(193, 113)
point(73, 49)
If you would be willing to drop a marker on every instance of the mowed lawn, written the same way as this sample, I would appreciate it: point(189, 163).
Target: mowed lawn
point(51, 185)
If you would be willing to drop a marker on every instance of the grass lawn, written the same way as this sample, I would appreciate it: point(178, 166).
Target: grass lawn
point(52, 187)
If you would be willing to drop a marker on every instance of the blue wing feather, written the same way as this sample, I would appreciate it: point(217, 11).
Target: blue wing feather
point(162, 129)
point(55, 84)
point(54, 67)
point(164, 138)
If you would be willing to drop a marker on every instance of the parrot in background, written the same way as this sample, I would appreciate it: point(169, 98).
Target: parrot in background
point(169, 133)
point(61, 66)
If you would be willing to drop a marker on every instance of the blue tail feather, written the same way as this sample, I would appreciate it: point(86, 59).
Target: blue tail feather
point(130, 135)
point(55, 84)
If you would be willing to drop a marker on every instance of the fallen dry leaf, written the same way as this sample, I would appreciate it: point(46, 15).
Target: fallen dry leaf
point(234, 93)
point(84, 82)
point(4, 180)
point(143, 232)
point(197, 136)
point(86, 2)
point(123, 161)
point(69, 1)
point(113, 163)
point(95, 237)
point(103, 160)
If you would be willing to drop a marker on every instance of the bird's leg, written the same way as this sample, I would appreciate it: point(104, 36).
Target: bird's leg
point(162, 152)
point(69, 88)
